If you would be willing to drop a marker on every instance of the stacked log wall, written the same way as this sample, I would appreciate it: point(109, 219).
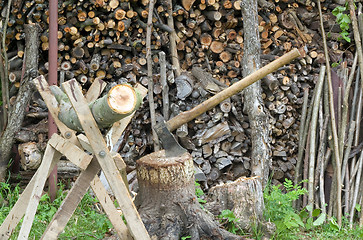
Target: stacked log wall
point(100, 39)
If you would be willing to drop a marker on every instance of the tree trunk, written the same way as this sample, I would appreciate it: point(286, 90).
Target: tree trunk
point(167, 202)
point(23, 97)
point(252, 95)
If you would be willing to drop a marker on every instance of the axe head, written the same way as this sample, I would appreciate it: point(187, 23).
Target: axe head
point(171, 146)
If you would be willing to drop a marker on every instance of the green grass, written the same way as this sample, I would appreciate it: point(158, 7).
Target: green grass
point(86, 223)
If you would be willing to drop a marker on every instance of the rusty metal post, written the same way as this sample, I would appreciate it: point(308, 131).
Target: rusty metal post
point(52, 80)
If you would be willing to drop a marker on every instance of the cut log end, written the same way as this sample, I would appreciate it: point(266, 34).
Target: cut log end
point(155, 169)
point(122, 99)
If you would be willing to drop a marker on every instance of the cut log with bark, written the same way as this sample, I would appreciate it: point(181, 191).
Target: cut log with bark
point(30, 155)
point(167, 202)
point(121, 101)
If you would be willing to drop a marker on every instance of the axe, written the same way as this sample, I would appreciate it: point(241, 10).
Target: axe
point(164, 129)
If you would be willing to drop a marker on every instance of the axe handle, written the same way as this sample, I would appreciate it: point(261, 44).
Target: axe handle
point(210, 103)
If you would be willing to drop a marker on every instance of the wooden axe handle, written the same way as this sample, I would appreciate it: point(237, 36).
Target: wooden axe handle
point(210, 103)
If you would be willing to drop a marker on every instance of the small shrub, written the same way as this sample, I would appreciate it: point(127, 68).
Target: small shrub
point(230, 221)
point(343, 20)
point(279, 209)
point(199, 193)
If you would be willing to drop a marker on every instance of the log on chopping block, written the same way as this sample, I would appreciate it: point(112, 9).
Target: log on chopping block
point(187, 116)
point(121, 101)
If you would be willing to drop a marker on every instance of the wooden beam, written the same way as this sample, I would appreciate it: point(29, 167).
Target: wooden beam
point(49, 156)
point(95, 90)
point(71, 151)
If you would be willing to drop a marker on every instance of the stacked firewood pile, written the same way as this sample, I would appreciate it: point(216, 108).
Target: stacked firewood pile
point(105, 39)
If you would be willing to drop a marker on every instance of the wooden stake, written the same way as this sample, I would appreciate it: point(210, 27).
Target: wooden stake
point(334, 127)
point(150, 75)
point(313, 123)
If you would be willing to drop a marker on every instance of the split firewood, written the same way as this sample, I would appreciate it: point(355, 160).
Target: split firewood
point(184, 86)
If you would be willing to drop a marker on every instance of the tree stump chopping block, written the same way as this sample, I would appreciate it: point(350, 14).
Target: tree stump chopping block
point(167, 202)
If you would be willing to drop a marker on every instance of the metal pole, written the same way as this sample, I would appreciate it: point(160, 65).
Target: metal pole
point(52, 80)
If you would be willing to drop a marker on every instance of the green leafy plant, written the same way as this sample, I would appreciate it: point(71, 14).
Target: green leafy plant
point(279, 209)
point(230, 221)
point(317, 218)
point(186, 237)
point(343, 20)
point(199, 192)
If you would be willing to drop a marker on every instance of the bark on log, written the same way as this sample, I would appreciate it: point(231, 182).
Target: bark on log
point(25, 91)
point(30, 155)
point(253, 101)
point(121, 101)
point(167, 202)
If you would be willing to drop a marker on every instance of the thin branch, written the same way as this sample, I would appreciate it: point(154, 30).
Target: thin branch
point(164, 84)
point(314, 119)
point(173, 37)
point(357, 182)
point(4, 63)
point(321, 180)
point(322, 149)
point(302, 136)
point(357, 39)
point(150, 74)
point(333, 124)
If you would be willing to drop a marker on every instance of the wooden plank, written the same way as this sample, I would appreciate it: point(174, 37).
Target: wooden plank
point(79, 103)
point(75, 196)
point(53, 109)
point(17, 212)
point(83, 140)
point(120, 164)
point(49, 157)
point(95, 90)
point(110, 209)
point(71, 151)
